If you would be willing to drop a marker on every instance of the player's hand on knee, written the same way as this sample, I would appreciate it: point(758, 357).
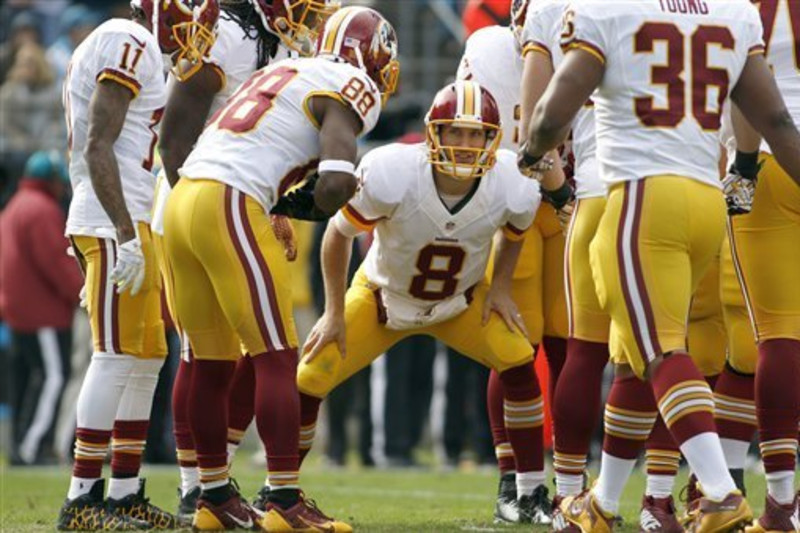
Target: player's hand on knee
point(501, 303)
point(284, 232)
point(739, 191)
point(328, 329)
point(129, 269)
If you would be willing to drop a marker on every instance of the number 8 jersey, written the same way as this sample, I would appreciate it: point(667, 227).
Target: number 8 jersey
point(265, 138)
point(669, 68)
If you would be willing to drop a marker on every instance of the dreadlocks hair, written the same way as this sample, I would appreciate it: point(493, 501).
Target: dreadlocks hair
point(244, 14)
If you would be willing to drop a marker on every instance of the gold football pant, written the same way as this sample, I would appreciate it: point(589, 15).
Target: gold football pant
point(231, 278)
point(766, 249)
point(742, 349)
point(656, 240)
point(493, 345)
point(121, 323)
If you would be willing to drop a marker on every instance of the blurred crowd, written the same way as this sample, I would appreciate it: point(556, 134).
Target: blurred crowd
point(418, 397)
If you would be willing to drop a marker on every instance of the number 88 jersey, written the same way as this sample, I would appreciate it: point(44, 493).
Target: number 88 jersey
point(669, 68)
point(265, 138)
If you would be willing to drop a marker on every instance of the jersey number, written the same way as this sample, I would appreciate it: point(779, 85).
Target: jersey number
point(440, 265)
point(155, 119)
point(670, 75)
point(127, 63)
point(362, 99)
point(769, 13)
point(253, 100)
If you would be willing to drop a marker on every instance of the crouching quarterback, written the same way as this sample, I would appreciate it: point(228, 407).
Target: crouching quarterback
point(287, 122)
point(434, 208)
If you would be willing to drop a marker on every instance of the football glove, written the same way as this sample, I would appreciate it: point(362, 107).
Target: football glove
point(128, 271)
point(565, 215)
point(739, 192)
point(284, 232)
point(532, 166)
point(299, 203)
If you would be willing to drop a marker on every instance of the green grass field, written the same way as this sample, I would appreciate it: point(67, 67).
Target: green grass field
point(371, 500)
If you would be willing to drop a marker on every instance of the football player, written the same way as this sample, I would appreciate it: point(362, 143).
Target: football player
point(251, 34)
point(114, 95)
point(492, 58)
point(763, 240)
point(294, 122)
point(665, 213)
point(434, 208)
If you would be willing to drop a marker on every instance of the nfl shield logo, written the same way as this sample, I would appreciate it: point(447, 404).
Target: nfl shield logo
point(450, 225)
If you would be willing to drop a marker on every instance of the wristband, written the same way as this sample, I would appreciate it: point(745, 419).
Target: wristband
point(336, 165)
point(528, 159)
point(558, 198)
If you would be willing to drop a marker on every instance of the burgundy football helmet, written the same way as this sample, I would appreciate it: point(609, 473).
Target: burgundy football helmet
point(366, 40)
point(186, 29)
point(296, 22)
point(463, 104)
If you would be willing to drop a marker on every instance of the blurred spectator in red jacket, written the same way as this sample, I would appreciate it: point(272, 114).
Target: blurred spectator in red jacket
point(39, 292)
point(480, 13)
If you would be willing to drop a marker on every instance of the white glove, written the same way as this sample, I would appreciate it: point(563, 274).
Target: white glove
point(128, 272)
point(739, 192)
point(82, 295)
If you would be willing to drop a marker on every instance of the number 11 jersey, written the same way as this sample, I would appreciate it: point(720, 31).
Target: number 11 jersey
point(266, 139)
point(669, 69)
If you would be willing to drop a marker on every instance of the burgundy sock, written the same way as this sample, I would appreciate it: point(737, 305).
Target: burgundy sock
point(523, 415)
point(734, 405)
point(208, 416)
point(309, 412)
point(127, 446)
point(494, 407)
point(241, 402)
point(778, 402)
point(277, 409)
point(181, 428)
point(91, 446)
point(555, 349)
point(630, 414)
point(662, 453)
point(581, 377)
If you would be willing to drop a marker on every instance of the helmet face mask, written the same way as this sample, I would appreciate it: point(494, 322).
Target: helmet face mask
point(366, 40)
point(467, 106)
point(184, 29)
point(296, 22)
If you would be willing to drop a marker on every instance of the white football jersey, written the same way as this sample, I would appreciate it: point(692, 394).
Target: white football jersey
point(125, 52)
point(265, 139)
point(781, 19)
point(667, 76)
point(541, 34)
point(235, 55)
point(422, 253)
point(491, 58)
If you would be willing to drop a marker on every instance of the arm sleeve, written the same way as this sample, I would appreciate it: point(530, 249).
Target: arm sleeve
point(582, 27)
point(48, 251)
point(125, 59)
point(754, 33)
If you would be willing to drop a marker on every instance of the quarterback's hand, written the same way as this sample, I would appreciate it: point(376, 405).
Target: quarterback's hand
point(128, 272)
point(300, 204)
point(531, 166)
point(500, 302)
point(284, 232)
point(329, 328)
point(565, 215)
point(739, 191)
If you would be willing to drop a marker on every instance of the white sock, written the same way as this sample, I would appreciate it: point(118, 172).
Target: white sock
point(659, 486)
point(528, 481)
point(232, 452)
point(102, 389)
point(735, 452)
point(137, 398)
point(266, 481)
point(568, 484)
point(780, 485)
point(78, 486)
point(614, 474)
point(190, 478)
point(704, 454)
point(118, 488)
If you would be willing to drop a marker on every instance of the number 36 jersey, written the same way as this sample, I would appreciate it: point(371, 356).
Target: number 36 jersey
point(669, 68)
point(266, 139)
point(423, 252)
point(123, 52)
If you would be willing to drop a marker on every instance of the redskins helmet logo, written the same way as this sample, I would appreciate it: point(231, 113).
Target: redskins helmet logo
point(386, 39)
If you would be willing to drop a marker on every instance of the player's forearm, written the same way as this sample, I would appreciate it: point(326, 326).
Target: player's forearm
point(536, 75)
point(747, 138)
point(506, 257)
point(104, 173)
point(333, 190)
point(546, 131)
point(335, 258)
